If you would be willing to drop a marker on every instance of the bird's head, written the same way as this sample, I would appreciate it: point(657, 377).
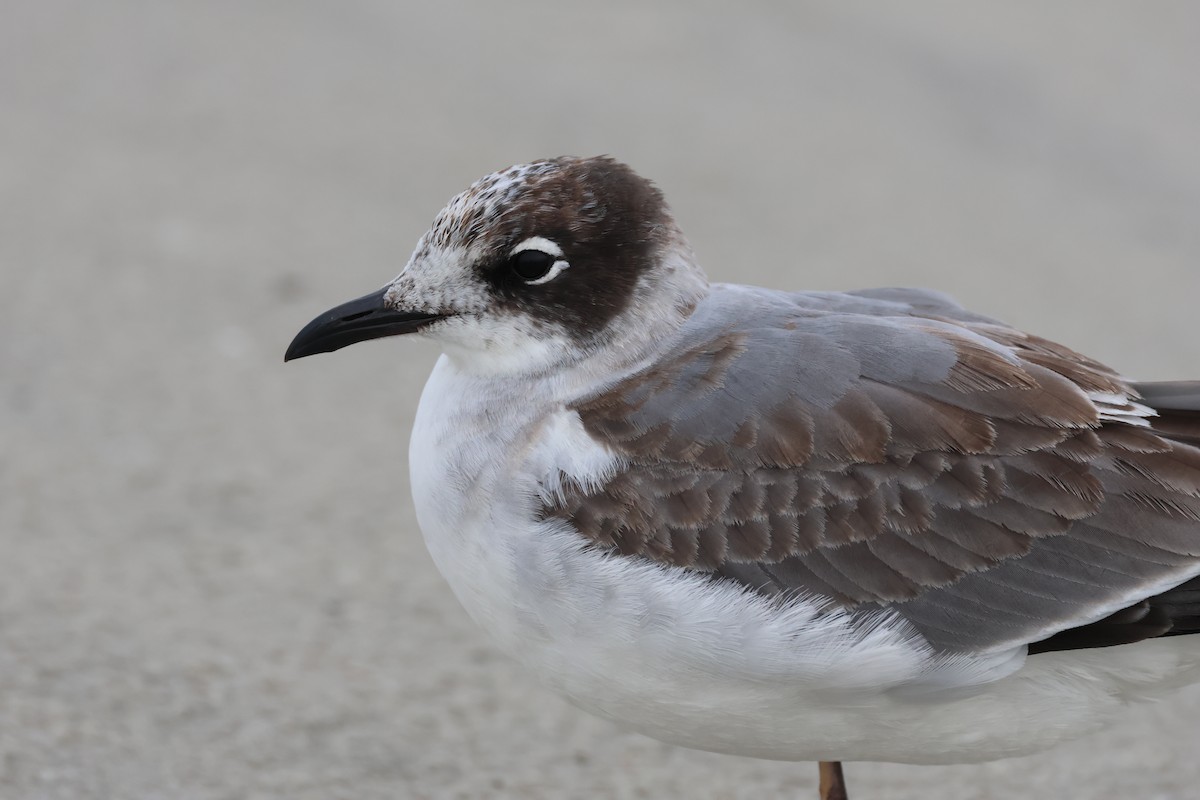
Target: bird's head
point(529, 268)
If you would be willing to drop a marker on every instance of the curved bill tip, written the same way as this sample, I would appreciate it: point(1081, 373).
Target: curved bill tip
point(356, 321)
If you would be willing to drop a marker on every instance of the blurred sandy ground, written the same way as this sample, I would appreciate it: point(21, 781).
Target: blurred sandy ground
point(211, 582)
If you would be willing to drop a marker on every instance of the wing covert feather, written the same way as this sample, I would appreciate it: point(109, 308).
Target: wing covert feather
point(888, 448)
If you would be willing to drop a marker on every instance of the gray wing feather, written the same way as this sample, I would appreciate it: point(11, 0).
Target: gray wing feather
point(888, 448)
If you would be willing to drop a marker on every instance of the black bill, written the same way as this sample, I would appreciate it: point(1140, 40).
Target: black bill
point(356, 321)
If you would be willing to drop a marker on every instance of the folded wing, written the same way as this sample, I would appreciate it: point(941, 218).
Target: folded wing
point(888, 448)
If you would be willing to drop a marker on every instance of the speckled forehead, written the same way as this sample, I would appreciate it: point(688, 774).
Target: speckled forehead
point(473, 212)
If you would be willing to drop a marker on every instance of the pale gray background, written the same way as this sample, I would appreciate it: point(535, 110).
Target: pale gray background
point(212, 583)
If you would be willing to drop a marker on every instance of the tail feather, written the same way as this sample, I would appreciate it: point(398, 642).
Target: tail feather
point(1170, 395)
point(1173, 613)
point(1177, 610)
point(1178, 407)
point(1182, 606)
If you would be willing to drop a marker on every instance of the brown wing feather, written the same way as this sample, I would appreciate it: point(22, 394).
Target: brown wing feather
point(944, 499)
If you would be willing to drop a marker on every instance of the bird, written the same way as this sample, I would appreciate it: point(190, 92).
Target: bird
point(806, 526)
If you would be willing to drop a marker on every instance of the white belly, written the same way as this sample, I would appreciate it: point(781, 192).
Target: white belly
point(704, 664)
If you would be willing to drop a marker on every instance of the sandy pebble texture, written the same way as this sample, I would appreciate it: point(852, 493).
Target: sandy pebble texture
point(212, 586)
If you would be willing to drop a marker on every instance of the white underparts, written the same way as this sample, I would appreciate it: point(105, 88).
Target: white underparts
point(703, 663)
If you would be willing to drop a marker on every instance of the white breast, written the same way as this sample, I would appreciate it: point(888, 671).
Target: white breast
point(703, 664)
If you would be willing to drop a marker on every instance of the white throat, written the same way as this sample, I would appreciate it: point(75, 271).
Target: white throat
point(484, 345)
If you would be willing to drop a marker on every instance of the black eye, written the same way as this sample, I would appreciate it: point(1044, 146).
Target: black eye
point(529, 265)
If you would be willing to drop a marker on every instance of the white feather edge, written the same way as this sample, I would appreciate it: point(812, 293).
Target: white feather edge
point(1119, 407)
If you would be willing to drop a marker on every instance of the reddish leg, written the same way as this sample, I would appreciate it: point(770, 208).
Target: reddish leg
point(833, 784)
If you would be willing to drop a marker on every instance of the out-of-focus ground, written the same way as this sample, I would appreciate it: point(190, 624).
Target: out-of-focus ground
point(211, 580)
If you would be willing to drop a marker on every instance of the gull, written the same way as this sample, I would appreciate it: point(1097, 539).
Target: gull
point(806, 526)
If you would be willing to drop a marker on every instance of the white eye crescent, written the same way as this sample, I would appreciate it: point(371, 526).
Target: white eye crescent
point(542, 265)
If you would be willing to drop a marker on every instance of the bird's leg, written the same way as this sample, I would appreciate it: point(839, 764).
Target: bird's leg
point(833, 784)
